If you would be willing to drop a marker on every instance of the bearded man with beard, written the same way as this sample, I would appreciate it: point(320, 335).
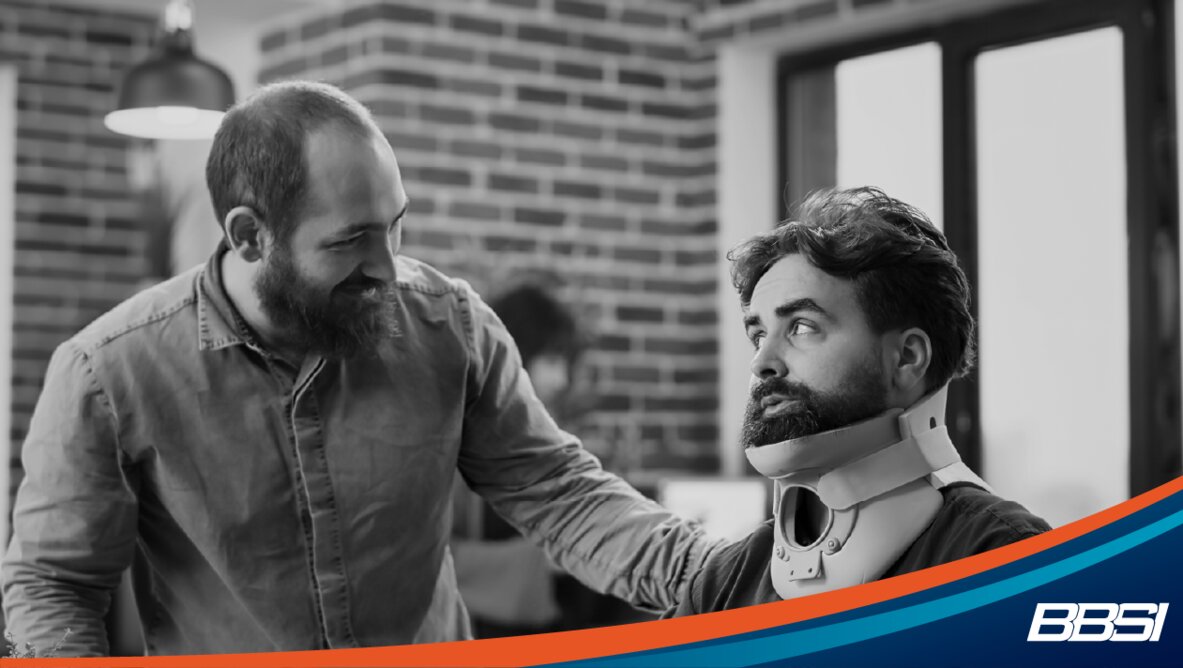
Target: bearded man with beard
point(859, 317)
point(270, 439)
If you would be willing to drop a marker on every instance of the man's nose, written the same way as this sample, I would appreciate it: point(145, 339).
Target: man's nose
point(768, 362)
point(380, 262)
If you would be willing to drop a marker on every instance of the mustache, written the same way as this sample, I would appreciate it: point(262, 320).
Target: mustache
point(362, 284)
point(778, 385)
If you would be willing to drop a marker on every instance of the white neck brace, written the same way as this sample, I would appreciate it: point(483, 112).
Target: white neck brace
point(878, 480)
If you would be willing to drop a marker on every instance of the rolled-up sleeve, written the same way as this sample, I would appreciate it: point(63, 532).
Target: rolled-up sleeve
point(74, 520)
point(590, 522)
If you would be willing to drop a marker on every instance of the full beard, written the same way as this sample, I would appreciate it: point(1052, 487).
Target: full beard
point(863, 395)
point(344, 322)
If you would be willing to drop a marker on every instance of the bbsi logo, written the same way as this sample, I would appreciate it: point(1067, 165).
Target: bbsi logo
point(1096, 622)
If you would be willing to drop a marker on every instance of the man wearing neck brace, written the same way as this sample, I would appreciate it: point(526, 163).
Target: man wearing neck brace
point(859, 318)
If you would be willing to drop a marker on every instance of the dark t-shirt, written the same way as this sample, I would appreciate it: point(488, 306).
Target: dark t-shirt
point(970, 521)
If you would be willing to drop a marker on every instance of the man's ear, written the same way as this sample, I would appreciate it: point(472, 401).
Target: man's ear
point(914, 355)
point(245, 233)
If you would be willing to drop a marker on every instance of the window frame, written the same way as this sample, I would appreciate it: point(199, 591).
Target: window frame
point(1152, 191)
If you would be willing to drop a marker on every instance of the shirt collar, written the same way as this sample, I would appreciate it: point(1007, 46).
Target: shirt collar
point(218, 321)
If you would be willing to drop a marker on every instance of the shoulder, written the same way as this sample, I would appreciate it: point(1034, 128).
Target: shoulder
point(970, 504)
point(419, 277)
point(431, 296)
point(970, 521)
point(736, 575)
point(161, 305)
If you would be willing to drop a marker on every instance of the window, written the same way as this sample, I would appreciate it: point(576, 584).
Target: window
point(1039, 138)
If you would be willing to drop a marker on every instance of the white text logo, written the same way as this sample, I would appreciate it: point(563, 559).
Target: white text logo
point(1097, 622)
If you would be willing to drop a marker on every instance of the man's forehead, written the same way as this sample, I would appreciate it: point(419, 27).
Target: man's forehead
point(352, 177)
point(794, 278)
point(790, 277)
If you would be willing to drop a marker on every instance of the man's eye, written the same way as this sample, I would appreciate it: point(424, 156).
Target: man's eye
point(801, 327)
point(345, 243)
point(756, 338)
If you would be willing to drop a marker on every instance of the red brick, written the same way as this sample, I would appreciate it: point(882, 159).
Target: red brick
point(512, 183)
point(579, 70)
point(636, 374)
point(476, 149)
point(605, 44)
point(542, 35)
point(639, 314)
point(578, 130)
point(581, 9)
point(404, 14)
point(532, 216)
point(629, 77)
point(439, 175)
point(643, 18)
point(540, 94)
point(449, 52)
point(512, 61)
point(514, 122)
point(604, 223)
point(482, 88)
point(434, 113)
point(474, 210)
point(604, 162)
point(573, 189)
point(475, 25)
point(540, 157)
point(604, 103)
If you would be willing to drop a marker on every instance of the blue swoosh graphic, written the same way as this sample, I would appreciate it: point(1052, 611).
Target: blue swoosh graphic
point(741, 651)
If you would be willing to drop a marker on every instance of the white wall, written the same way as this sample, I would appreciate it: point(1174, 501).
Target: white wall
point(747, 196)
point(7, 240)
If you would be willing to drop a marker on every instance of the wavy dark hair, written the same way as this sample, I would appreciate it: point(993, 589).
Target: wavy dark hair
point(903, 271)
point(257, 158)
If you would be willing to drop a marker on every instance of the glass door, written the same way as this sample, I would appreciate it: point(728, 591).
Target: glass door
point(1053, 275)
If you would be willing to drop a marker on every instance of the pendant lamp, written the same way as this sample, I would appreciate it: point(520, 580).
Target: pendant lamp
point(173, 94)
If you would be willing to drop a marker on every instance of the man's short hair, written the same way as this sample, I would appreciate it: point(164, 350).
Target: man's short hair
point(257, 158)
point(903, 271)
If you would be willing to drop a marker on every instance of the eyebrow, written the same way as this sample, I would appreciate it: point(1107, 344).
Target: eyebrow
point(364, 227)
point(786, 309)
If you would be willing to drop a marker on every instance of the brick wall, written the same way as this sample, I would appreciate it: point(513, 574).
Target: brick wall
point(575, 137)
point(79, 241)
point(572, 137)
point(722, 20)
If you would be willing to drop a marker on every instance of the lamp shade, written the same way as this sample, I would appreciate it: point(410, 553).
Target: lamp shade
point(173, 94)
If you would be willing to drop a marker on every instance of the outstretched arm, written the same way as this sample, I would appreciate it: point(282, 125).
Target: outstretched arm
point(592, 523)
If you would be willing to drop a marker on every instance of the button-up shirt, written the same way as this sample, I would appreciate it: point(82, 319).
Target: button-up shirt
point(264, 507)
